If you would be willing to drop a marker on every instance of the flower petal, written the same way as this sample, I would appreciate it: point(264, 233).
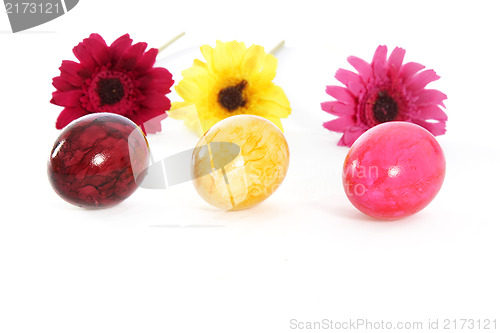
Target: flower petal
point(149, 120)
point(84, 54)
point(74, 73)
point(222, 59)
point(190, 91)
point(199, 74)
point(98, 49)
point(396, 59)
point(394, 63)
point(189, 114)
point(129, 60)
point(274, 94)
point(430, 96)
point(236, 51)
point(340, 124)
point(193, 72)
point(432, 112)
point(328, 106)
point(379, 62)
point(436, 128)
point(228, 55)
point(409, 69)
point(345, 76)
point(276, 121)
point(269, 108)
point(351, 80)
point(269, 68)
point(155, 100)
point(350, 136)
point(68, 115)
point(174, 110)
point(340, 93)
point(119, 47)
point(364, 69)
point(420, 80)
point(208, 53)
point(380, 54)
point(61, 84)
point(67, 98)
point(253, 61)
point(147, 60)
point(356, 87)
point(338, 108)
point(158, 78)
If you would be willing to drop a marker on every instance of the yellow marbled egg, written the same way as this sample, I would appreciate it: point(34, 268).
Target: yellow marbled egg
point(249, 175)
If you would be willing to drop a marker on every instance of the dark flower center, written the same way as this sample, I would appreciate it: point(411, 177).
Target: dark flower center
point(231, 98)
point(385, 108)
point(110, 91)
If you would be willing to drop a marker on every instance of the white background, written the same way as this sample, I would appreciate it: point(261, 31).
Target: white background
point(149, 265)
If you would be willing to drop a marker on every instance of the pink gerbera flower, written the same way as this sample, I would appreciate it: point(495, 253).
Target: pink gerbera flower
point(118, 79)
point(385, 90)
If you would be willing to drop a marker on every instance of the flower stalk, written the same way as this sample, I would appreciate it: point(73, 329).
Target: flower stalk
point(277, 47)
point(170, 42)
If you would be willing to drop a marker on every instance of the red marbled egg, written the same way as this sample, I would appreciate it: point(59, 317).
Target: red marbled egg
point(98, 161)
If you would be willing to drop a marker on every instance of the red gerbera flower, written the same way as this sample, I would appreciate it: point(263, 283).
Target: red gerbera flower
point(385, 90)
point(118, 79)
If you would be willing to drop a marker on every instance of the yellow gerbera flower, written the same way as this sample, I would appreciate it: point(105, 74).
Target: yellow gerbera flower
point(234, 80)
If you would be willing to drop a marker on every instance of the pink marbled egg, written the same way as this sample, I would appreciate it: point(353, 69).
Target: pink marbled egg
point(393, 170)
